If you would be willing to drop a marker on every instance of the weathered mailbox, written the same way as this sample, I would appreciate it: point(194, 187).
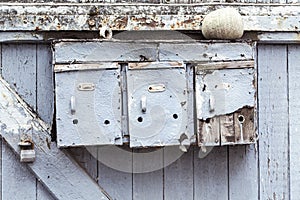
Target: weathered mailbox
point(154, 97)
point(88, 109)
point(157, 103)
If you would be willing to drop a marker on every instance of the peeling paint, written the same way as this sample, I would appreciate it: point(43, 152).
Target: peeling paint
point(37, 17)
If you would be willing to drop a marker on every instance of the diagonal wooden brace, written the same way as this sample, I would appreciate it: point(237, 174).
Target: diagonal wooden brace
point(58, 172)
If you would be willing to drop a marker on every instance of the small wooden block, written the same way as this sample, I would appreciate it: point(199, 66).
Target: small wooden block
point(209, 132)
point(227, 130)
point(249, 135)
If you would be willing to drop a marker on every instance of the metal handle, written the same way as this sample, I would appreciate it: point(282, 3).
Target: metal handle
point(143, 104)
point(73, 110)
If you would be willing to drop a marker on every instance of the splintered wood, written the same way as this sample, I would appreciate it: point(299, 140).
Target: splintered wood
point(226, 103)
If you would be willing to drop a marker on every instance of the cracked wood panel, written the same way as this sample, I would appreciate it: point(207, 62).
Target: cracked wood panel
point(86, 16)
point(273, 122)
point(294, 110)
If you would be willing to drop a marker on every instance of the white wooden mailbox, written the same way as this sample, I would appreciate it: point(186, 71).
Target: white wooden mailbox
point(154, 95)
point(157, 103)
point(88, 108)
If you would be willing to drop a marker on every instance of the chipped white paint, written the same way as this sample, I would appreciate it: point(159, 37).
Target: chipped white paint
point(76, 16)
point(164, 122)
point(232, 89)
point(94, 117)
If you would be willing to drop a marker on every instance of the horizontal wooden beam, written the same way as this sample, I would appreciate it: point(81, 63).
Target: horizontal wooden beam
point(62, 176)
point(92, 16)
point(70, 52)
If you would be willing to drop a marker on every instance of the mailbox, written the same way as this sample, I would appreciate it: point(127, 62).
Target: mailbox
point(88, 104)
point(157, 104)
point(226, 101)
point(111, 93)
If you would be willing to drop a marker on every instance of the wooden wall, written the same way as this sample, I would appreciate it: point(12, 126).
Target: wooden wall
point(268, 170)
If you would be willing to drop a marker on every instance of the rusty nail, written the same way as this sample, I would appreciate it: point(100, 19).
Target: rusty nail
point(216, 140)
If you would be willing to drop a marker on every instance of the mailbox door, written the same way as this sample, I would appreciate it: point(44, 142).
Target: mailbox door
point(157, 104)
point(88, 106)
point(225, 103)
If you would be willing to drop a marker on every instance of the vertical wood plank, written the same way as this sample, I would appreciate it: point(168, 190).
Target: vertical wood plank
point(17, 182)
point(87, 159)
point(0, 137)
point(114, 169)
point(19, 70)
point(148, 185)
point(211, 174)
point(178, 176)
point(42, 193)
point(243, 172)
point(273, 121)
point(294, 125)
point(45, 87)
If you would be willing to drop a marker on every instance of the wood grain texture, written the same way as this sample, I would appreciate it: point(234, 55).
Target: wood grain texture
point(17, 182)
point(44, 83)
point(273, 121)
point(86, 157)
point(52, 166)
point(178, 175)
point(243, 172)
point(19, 70)
point(148, 185)
point(114, 169)
point(211, 174)
point(294, 124)
point(209, 132)
point(42, 193)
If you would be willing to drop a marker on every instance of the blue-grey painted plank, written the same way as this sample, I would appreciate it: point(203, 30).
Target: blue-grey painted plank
point(211, 175)
point(17, 182)
point(19, 70)
point(0, 59)
point(273, 121)
point(178, 176)
point(45, 88)
point(243, 172)
point(42, 193)
point(114, 171)
point(294, 125)
point(86, 157)
point(148, 185)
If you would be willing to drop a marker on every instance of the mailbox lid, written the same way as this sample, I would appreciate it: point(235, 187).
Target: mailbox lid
point(157, 104)
point(88, 105)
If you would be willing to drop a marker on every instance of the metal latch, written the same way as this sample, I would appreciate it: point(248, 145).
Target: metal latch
point(27, 151)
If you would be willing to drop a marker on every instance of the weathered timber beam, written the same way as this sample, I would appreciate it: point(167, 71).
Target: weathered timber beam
point(63, 177)
point(84, 16)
